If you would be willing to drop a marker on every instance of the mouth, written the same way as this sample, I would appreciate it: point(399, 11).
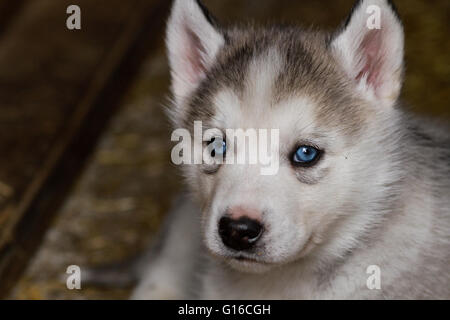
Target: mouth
point(248, 264)
point(246, 259)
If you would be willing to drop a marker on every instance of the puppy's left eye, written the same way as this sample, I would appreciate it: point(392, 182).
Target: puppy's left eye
point(218, 147)
point(306, 156)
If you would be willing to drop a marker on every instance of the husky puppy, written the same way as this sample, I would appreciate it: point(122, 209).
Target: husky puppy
point(360, 205)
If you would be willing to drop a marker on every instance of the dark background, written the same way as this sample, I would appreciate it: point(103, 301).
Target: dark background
point(61, 89)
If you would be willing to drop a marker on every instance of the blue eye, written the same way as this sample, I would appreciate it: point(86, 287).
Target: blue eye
point(219, 147)
point(306, 155)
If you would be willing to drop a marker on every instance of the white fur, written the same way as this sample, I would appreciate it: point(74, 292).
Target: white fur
point(186, 20)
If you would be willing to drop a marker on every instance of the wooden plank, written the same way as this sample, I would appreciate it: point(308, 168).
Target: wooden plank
point(126, 30)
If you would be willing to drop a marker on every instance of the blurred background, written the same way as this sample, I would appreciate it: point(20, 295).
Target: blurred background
point(85, 171)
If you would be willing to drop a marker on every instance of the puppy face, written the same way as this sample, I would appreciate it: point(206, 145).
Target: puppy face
point(330, 99)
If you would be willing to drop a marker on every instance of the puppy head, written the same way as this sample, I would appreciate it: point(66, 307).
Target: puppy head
point(330, 99)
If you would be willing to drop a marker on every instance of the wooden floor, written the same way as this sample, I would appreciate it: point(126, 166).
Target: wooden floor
point(84, 143)
point(59, 88)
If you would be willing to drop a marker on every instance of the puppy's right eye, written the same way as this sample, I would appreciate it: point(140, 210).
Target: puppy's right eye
point(218, 147)
point(306, 156)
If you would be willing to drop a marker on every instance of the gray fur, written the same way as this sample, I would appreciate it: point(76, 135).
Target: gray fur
point(379, 196)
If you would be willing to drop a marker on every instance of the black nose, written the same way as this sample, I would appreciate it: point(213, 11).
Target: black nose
point(241, 234)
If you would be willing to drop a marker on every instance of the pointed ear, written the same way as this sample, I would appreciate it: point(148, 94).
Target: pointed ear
point(193, 42)
point(370, 50)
